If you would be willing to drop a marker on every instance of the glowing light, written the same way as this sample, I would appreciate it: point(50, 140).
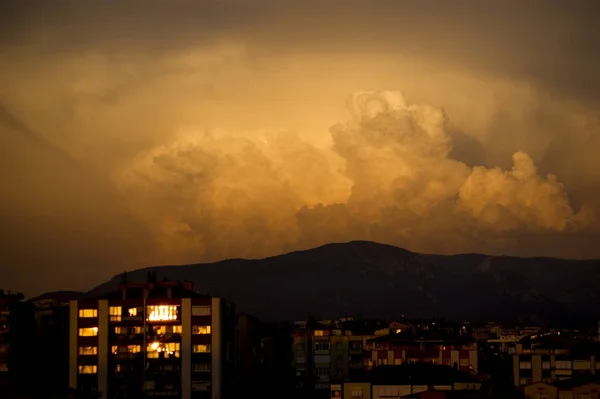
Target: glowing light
point(154, 346)
point(95, 329)
point(162, 313)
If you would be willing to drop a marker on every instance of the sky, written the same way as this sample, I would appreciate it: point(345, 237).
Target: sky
point(138, 133)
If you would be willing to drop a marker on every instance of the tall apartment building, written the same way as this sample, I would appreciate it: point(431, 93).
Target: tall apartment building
point(16, 334)
point(155, 339)
point(554, 357)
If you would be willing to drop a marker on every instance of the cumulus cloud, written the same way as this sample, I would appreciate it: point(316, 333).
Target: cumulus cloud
point(225, 195)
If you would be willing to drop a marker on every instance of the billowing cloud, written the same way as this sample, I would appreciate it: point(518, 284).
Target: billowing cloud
point(225, 195)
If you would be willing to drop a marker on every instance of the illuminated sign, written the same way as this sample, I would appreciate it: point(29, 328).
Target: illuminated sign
point(162, 313)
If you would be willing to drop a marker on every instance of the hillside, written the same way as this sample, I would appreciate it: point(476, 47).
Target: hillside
point(378, 280)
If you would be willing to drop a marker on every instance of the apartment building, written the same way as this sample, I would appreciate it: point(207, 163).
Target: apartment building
point(553, 357)
point(330, 351)
point(579, 387)
point(157, 338)
point(16, 334)
point(51, 315)
point(436, 347)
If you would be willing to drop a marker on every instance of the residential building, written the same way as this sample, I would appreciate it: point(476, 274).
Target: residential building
point(16, 334)
point(580, 387)
point(431, 346)
point(404, 381)
point(552, 357)
point(330, 351)
point(156, 338)
point(51, 341)
point(264, 357)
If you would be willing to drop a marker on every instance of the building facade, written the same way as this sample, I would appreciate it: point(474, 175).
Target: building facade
point(552, 357)
point(152, 339)
point(16, 335)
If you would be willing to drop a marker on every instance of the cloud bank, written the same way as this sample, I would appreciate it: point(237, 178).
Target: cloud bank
point(174, 132)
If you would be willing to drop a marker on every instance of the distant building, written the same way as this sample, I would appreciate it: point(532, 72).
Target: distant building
point(264, 358)
point(406, 381)
point(580, 387)
point(16, 334)
point(431, 346)
point(552, 357)
point(159, 338)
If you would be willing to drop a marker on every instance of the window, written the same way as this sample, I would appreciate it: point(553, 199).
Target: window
point(321, 346)
point(3, 348)
point(322, 372)
point(200, 310)
point(87, 313)
point(134, 348)
point(162, 313)
point(200, 367)
point(563, 364)
point(200, 329)
point(389, 392)
point(3, 367)
point(89, 369)
point(177, 329)
point(357, 392)
point(115, 313)
point(132, 312)
point(155, 349)
point(201, 348)
point(88, 332)
point(318, 333)
point(88, 350)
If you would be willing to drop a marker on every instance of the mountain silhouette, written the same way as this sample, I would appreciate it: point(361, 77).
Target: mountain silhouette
point(383, 281)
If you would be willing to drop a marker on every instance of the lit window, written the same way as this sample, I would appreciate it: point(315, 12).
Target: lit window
point(170, 349)
point(318, 333)
point(88, 350)
point(162, 313)
point(88, 369)
point(177, 329)
point(201, 329)
point(114, 349)
point(201, 348)
point(3, 367)
point(134, 348)
point(87, 313)
point(118, 368)
point(88, 332)
point(132, 312)
point(200, 310)
point(115, 313)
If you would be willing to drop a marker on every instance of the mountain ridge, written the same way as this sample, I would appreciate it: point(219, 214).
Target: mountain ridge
point(381, 280)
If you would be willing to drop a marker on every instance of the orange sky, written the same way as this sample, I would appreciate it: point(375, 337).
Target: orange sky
point(171, 132)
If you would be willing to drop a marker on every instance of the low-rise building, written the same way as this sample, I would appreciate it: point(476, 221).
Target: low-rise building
point(552, 357)
point(580, 387)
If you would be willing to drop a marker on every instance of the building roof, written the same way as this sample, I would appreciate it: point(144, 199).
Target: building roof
point(426, 335)
point(418, 374)
point(577, 381)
